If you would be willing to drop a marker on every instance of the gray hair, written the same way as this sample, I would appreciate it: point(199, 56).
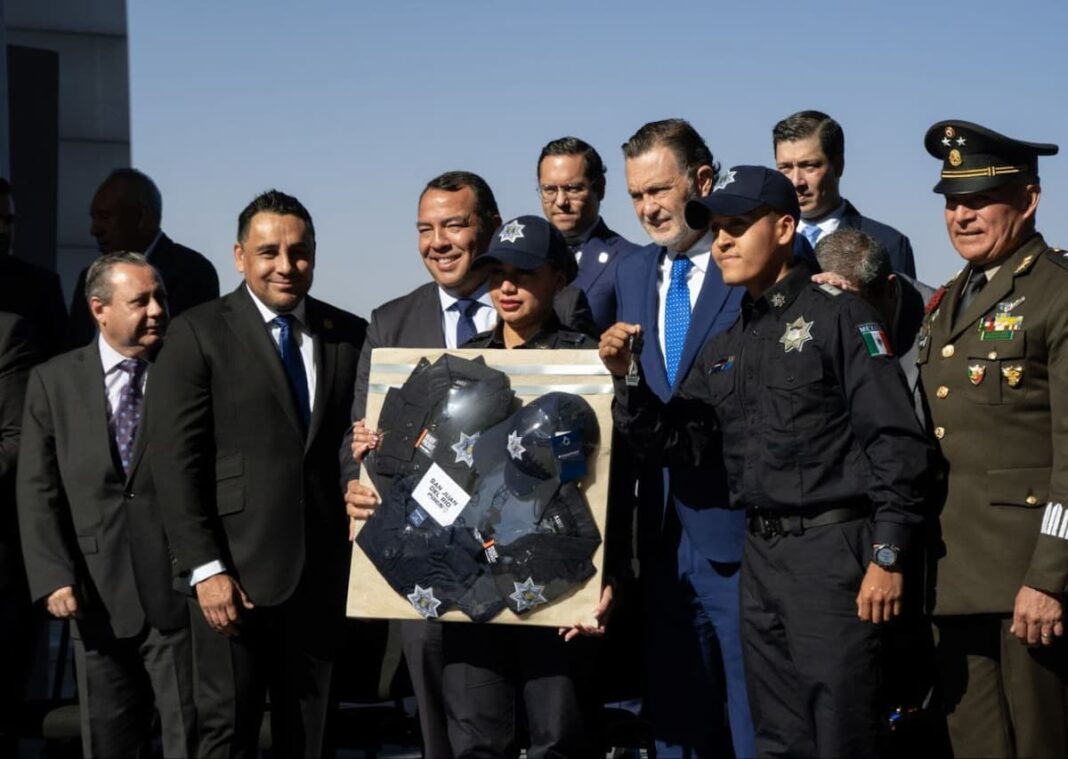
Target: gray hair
point(857, 256)
point(98, 278)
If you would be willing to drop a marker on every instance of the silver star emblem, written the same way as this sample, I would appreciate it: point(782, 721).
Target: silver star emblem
point(528, 595)
point(464, 448)
point(511, 231)
point(961, 142)
point(424, 602)
point(778, 300)
point(724, 180)
point(515, 445)
point(798, 332)
point(946, 141)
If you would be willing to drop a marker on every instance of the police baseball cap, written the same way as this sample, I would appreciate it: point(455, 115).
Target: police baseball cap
point(528, 242)
point(743, 189)
point(975, 158)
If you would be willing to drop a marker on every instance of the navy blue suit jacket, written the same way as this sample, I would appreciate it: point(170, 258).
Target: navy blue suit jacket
point(601, 255)
point(699, 495)
point(897, 245)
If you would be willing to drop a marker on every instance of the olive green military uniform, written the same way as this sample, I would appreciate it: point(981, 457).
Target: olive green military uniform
point(996, 379)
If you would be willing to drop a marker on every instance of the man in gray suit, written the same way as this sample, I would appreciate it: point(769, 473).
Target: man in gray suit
point(92, 537)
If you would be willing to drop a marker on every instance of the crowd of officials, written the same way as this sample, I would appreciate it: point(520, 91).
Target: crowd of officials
point(836, 513)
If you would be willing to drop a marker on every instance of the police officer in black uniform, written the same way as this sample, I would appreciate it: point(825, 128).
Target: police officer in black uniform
point(808, 408)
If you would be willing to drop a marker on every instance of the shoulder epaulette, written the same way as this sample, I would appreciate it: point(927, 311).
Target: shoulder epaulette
point(830, 289)
point(1058, 256)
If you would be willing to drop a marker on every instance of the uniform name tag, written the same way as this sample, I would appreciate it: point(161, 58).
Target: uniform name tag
point(440, 496)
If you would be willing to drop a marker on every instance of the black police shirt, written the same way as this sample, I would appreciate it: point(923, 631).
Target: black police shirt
point(806, 404)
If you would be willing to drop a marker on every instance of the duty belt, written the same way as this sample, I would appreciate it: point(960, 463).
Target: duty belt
point(769, 524)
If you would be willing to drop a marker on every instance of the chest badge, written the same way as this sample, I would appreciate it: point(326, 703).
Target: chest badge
point(976, 373)
point(1012, 374)
point(1002, 324)
point(798, 332)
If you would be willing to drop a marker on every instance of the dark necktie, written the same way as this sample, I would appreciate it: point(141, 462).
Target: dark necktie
point(465, 327)
point(127, 416)
point(294, 364)
point(976, 282)
point(676, 315)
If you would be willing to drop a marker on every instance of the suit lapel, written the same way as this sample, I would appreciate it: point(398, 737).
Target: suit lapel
point(326, 353)
point(89, 384)
point(247, 324)
point(652, 355)
point(591, 267)
point(432, 322)
point(709, 303)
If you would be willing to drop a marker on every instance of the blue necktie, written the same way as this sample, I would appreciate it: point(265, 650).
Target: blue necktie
point(294, 364)
point(127, 416)
point(812, 234)
point(676, 315)
point(465, 327)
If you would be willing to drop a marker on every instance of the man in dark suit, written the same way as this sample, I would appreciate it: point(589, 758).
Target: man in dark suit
point(92, 538)
point(571, 184)
point(253, 395)
point(27, 290)
point(692, 541)
point(810, 150)
point(126, 213)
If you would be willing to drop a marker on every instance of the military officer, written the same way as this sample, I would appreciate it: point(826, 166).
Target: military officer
point(994, 363)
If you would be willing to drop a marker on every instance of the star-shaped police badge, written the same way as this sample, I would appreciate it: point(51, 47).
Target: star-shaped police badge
point(424, 602)
point(778, 300)
point(798, 332)
point(515, 445)
point(464, 448)
point(511, 231)
point(528, 595)
point(724, 180)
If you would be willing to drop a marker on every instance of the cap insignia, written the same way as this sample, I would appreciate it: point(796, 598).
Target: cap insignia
point(955, 158)
point(528, 595)
point(724, 180)
point(422, 599)
point(515, 445)
point(511, 232)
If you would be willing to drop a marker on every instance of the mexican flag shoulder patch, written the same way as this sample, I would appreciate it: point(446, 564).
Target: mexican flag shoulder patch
point(875, 339)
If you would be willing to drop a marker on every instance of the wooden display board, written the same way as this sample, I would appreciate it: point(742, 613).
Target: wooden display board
point(531, 373)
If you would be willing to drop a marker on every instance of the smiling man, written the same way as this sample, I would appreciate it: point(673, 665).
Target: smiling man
point(803, 401)
point(810, 151)
point(252, 397)
point(994, 363)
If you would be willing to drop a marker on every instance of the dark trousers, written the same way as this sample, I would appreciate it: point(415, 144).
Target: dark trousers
point(494, 671)
point(275, 653)
point(422, 643)
point(694, 652)
point(812, 665)
point(1004, 699)
point(119, 680)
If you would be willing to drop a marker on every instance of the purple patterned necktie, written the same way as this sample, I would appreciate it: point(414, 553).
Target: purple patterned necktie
point(127, 416)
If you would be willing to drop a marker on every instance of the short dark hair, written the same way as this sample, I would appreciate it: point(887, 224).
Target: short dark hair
point(680, 137)
point(138, 188)
point(485, 204)
point(804, 124)
point(5, 186)
point(273, 201)
point(595, 169)
point(858, 257)
point(98, 277)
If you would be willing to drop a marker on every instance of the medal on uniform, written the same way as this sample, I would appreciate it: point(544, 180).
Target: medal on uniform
point(1012, 375)
point(527, 595)
point(1001, 325)
point(422, 599)
point(976, 373)
point(798, 332)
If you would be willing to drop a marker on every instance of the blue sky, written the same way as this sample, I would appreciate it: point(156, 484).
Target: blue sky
point(353, 106)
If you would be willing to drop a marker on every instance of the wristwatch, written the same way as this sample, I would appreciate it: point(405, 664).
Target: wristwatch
point(886, 555)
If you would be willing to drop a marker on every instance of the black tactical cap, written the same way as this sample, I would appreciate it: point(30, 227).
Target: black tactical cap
point(975, 158)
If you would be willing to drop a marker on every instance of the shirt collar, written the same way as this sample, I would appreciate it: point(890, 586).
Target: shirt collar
point(699, 253)
point(299, 312)
point(109, 357)
point(548, 328)
point(830, 220)
point(481, 295)
point(783, 293)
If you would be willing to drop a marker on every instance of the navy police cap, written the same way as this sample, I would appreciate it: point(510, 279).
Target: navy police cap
point(528, 242)
point(743, 189)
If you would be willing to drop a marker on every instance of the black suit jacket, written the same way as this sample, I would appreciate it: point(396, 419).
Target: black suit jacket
point(16, 358)
point(897, 245)
point(83, 523)
point(190, 280)
point(240, 481)
point(36, 295)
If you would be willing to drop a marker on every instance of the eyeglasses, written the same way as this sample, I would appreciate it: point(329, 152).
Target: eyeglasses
point(571, 191)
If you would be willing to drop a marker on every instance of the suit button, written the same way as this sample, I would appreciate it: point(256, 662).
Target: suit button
point(1031, 500)
point(942, 392)
point(940, 432)
point(947, 351)
point(128, 495)
point(992, 355)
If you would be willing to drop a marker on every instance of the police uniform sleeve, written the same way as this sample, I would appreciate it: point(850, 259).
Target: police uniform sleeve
point(1049, 562)
point(883, 422)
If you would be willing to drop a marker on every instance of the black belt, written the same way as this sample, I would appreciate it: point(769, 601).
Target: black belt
point(769, 524)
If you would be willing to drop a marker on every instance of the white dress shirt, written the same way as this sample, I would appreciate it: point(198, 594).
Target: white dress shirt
point(115, 379)
point(701, 255)
point(485, 318)
point(827, 224)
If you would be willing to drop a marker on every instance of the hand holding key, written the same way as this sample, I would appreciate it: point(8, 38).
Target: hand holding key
point(616, 348)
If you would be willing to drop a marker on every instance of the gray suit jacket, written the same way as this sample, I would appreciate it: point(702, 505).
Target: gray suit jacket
point(82, 522)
